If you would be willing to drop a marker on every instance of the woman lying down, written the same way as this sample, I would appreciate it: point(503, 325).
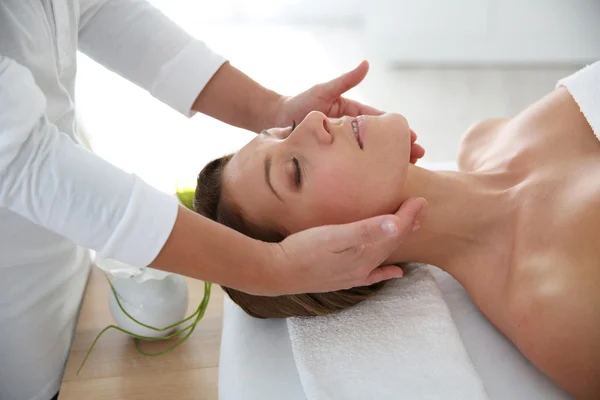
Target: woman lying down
point(517, 226)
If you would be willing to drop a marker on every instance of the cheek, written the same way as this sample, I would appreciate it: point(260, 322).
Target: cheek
point(327, 201)
point(341, 195)
point(346, 199)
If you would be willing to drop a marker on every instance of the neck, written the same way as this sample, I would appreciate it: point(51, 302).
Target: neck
point(464, 212)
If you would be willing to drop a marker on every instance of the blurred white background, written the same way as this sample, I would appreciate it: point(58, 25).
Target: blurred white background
point(442, 64)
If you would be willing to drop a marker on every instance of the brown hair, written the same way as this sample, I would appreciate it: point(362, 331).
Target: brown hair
point(209, 202)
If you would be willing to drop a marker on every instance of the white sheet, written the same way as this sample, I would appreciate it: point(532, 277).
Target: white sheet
point(256, 361)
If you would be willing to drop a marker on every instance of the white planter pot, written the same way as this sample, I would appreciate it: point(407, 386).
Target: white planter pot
point(155, 298)
point(154, 302)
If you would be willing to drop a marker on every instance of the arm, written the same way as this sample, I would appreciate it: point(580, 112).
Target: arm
point(234, 98)
point(321, 259)
point(59, 185)
point(137, 41)
point(140, 43)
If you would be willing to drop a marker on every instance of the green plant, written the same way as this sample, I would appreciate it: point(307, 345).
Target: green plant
point(185, 199)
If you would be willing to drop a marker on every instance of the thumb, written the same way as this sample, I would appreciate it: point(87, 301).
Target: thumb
point(383, 274)
point(364, 234)
point(336, 87)
point(410, 209)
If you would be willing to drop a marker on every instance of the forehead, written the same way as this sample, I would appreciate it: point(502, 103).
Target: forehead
point(244, 181)
point(242, 170)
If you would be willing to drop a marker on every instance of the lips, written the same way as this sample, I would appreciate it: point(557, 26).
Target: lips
point(354, 125)
point(360, 121)
point(356, 132)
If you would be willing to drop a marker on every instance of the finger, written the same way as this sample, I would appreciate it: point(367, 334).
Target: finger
point(364, 109)
point(343, 83)
point(410, 210)
point(354, 108)
point(417, 151)
point(413, 136)
point(408, 223)
point(366, 233)
point(383, 274)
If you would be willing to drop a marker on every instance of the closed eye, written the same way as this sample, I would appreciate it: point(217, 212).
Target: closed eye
point(297, 174)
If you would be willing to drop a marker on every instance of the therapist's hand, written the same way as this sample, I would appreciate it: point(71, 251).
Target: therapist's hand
point(326, 98)
point(330, 258)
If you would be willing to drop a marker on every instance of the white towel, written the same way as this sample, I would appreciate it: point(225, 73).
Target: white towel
point(401, 344)
point(584, 87)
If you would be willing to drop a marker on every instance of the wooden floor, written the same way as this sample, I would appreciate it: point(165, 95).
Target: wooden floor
point(115, 370)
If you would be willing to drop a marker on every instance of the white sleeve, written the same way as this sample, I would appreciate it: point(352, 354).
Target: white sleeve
point(53, 182)
point(137, 41)
point(584, 86)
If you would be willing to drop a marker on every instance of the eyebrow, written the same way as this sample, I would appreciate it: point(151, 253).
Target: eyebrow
point(268, 176)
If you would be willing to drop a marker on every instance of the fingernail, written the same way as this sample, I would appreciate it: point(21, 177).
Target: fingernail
point(389, 227)
point(416, 228)
point(422, 204)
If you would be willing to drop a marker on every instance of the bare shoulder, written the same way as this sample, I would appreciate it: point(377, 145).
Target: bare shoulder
point(552, 293)
point(553, 305)
point(476, 140)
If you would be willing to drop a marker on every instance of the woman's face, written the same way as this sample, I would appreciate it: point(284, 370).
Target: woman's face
point(321, 173)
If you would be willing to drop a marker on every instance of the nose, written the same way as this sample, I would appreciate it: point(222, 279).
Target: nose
point(314, 128)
